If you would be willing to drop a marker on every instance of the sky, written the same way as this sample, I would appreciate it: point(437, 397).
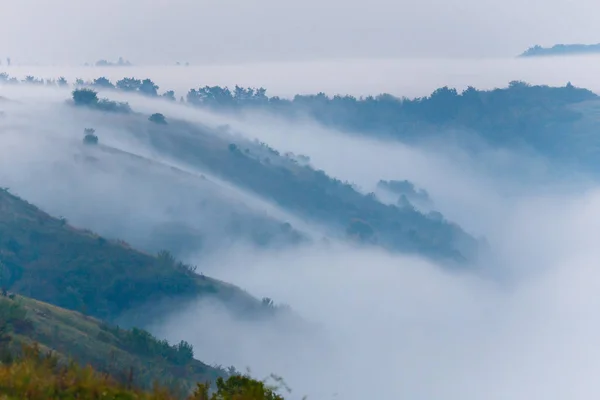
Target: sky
point(234, 31)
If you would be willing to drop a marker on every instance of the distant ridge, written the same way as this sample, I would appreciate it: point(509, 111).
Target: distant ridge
point(561, 50)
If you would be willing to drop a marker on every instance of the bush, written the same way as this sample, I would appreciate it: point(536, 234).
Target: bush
point(85, 97)
point(89, 98)
point(36, 375)
point(90, 139)
point(158, 118)
point(113, 106)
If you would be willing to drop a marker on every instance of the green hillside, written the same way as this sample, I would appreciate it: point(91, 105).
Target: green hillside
point(47, 259)
point(129, 355)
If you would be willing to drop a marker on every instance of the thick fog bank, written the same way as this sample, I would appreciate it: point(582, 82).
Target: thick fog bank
point(410, 77)
point(152, 202)
point(398, 327)
point(384, 326)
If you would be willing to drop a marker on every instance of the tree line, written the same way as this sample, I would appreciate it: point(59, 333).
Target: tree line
point(536, 115)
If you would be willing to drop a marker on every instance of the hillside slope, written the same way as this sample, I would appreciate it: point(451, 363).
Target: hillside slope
point(132, 356)
point(293, 186)
point(45, 258)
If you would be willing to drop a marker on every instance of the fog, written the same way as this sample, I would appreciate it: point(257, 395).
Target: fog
point(389, 326)
point(142, 201)
point(410, 77)
point(399, 327)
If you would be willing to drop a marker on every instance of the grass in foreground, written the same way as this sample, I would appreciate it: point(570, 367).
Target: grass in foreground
point(133, 356)
point(39, 376)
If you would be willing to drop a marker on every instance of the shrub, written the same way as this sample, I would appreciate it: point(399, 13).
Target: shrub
point(36, 375)
point(90, 139)
point(113, 106)
point(158, 118)
point(89, 98)
point(85, 97)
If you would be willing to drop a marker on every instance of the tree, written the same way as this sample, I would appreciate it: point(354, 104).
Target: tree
point(169, 95)
point(90, 138)
point(165, 258)
point(233, 148)
point(129, 84)
point(62, 82)
point(158, 118)
point(30, 79)
point(148, 88)
point(212, 96)
point(103, 82)
point(238, 387)
point(85, 97)
point(185, 352)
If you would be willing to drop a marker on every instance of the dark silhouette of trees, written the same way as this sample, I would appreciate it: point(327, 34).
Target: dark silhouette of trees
point(169, 95)
point(561, 49)
point(32, 80)
point(103, 83)
point(90, 138)
point(148, 88)
point(89, 98)
point(85, 97)
point(129, 84)
point(158, 118)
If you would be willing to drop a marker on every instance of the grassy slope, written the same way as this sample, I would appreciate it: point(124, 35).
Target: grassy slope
point(309, 193)
point(45, 258)
point(88, 341)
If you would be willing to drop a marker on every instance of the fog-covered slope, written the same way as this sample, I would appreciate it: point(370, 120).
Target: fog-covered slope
point(234, 189)
point(46, 258)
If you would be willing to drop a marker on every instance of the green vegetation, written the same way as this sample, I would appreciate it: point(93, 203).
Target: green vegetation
point(42, 348)
point(158, 118)
point(89, 98)
point(38, 376)
point(129, 355)
point(47, 259)
point(517, 115)
point(312, 193)
point(520, 115)
point(90, 138)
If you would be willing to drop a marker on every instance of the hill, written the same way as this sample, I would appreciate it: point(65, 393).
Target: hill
point(289, 182)
point(47, 259)
point(536, 118)
point(561, 50)
point(128, 355)
point(44, 349)
point(221, 215)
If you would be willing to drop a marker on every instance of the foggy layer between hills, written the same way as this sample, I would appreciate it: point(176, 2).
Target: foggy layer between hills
point(390, 326)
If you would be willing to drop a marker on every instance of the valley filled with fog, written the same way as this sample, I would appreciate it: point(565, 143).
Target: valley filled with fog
point(477, 279)
point(410, 77)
